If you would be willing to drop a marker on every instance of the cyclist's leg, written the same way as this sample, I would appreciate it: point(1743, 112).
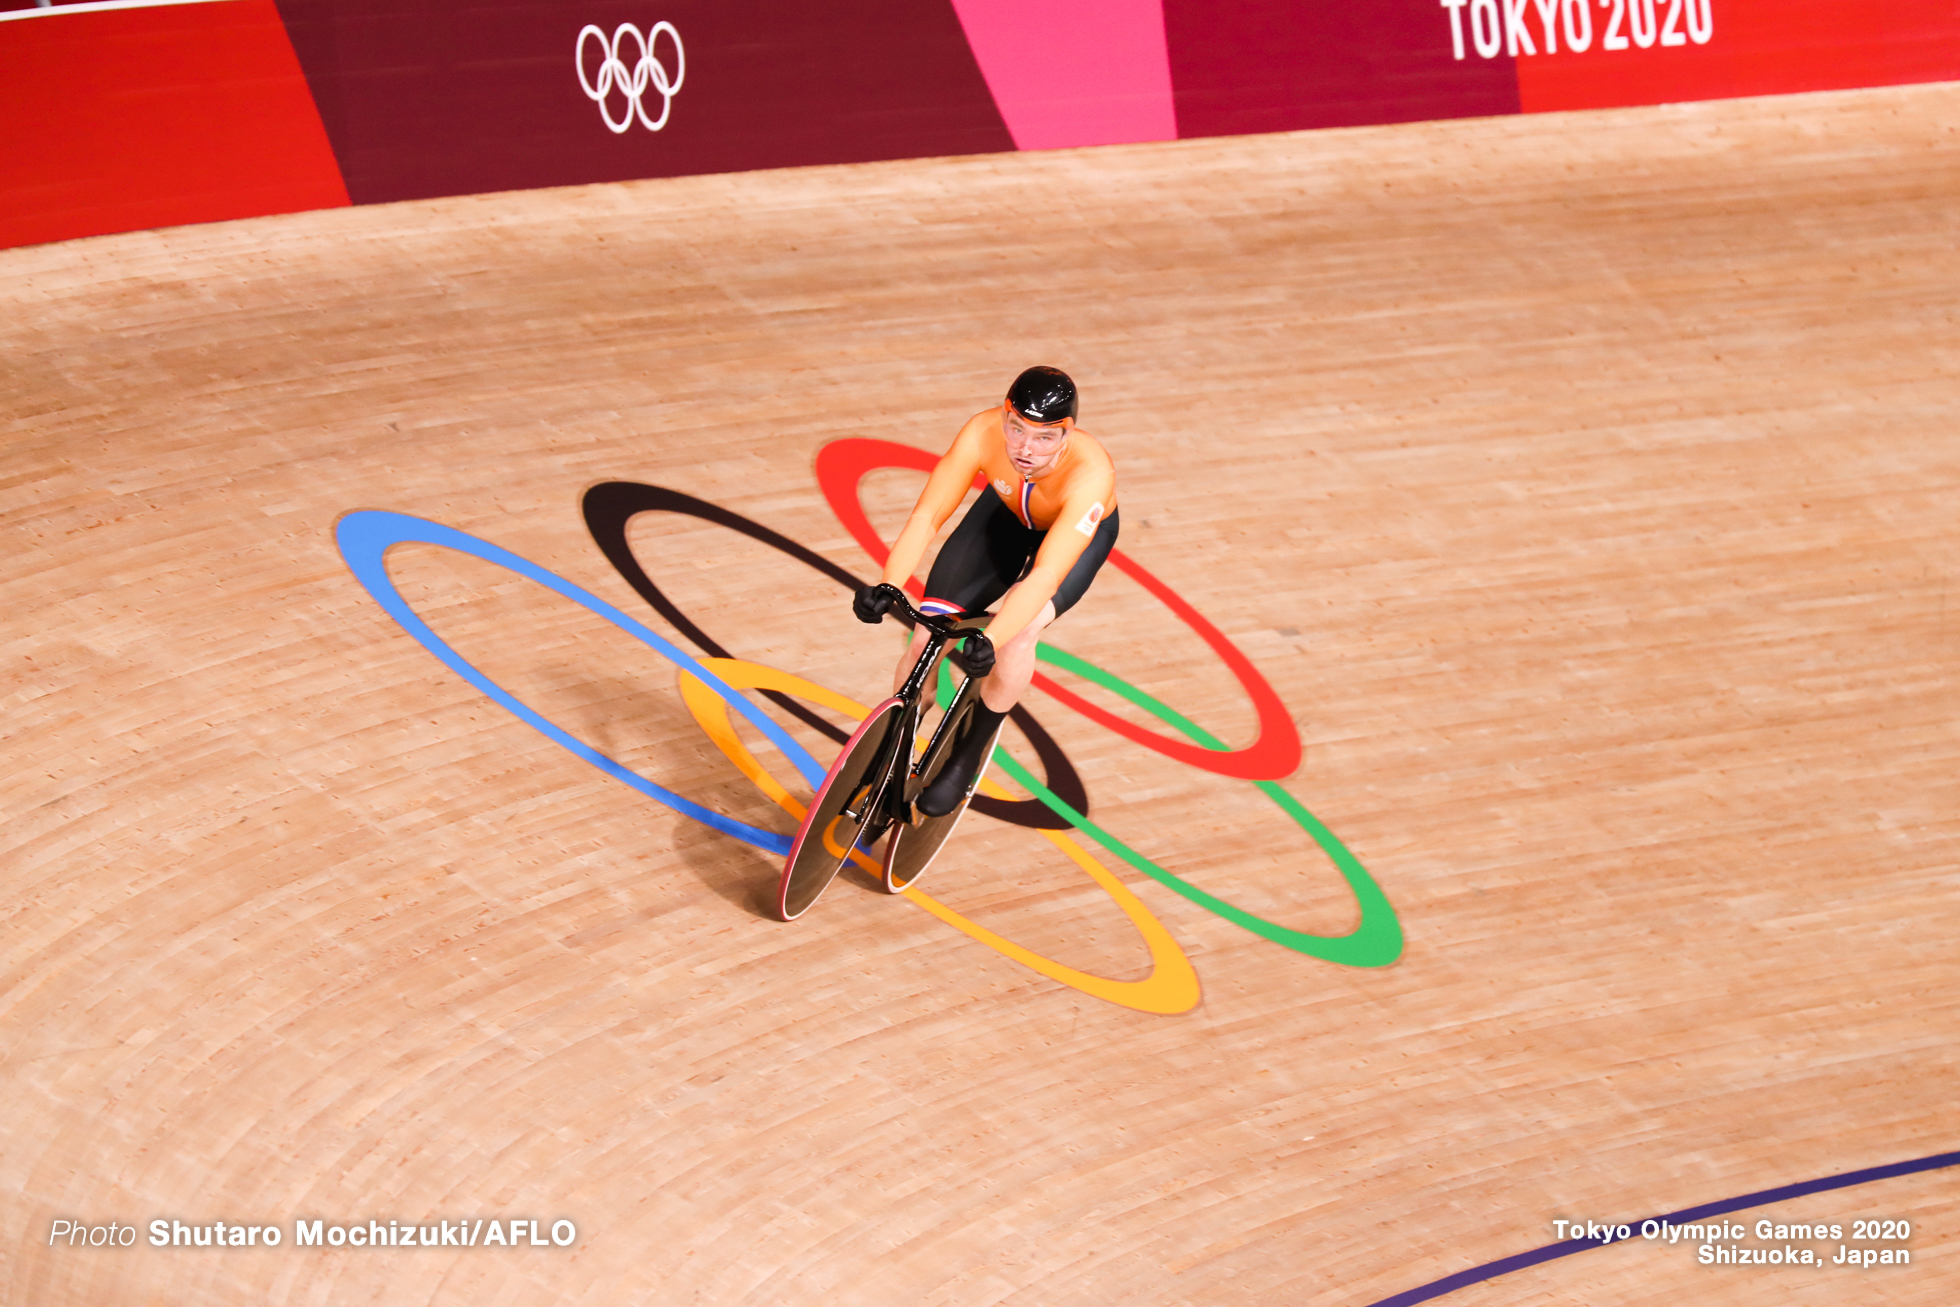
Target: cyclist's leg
point(1088, 563)
point(1014, 663)
point(1013, 670)
point(1004, 686)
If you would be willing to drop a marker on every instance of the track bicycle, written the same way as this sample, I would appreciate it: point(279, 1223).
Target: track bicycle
point(872, 790)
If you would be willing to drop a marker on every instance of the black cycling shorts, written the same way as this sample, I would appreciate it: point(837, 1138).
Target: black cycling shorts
point(990, 550)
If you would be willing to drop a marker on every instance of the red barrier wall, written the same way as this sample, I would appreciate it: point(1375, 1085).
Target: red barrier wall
point(121, 119)
point(1671, 50)
point(135, 113)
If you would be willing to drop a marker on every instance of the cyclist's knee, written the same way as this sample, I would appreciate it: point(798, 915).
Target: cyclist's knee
point(1030, 635)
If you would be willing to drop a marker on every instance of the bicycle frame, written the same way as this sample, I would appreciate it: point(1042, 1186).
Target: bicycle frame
point(875, 793)
point(943, 631)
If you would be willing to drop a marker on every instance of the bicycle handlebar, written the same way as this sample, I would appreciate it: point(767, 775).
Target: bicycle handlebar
point(946, 628)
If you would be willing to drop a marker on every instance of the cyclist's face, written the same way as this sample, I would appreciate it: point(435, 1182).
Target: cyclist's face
point(1032, 446)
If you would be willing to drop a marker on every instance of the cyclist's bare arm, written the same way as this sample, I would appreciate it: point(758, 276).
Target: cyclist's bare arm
point(944, 489)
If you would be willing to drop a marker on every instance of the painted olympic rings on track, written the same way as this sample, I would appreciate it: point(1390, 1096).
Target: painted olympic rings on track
point(610, 505)
point(632, 82)
point(1172, 986)
point(843, 464)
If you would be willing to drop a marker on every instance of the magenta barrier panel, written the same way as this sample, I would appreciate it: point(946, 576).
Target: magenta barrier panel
point(132, 113)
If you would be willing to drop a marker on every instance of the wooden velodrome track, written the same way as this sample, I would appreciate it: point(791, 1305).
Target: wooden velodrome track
point(1585, 486)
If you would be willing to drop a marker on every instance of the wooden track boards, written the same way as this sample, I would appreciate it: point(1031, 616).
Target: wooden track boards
point(1585, 485)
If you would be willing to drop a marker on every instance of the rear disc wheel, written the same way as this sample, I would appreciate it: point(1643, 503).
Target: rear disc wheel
point(912, 848)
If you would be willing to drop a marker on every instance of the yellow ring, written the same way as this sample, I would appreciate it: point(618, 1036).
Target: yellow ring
point(1170, 988)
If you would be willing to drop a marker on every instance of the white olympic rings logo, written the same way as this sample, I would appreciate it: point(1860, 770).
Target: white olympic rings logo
point(648, 71)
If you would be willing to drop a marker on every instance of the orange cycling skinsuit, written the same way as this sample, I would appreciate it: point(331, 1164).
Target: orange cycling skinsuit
point(1038, 538)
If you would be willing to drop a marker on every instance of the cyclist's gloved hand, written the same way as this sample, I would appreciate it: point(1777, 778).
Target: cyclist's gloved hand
point(979, 654)
point(872, 602)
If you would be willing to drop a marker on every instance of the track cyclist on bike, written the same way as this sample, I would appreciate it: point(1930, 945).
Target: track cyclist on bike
point(1034, 541)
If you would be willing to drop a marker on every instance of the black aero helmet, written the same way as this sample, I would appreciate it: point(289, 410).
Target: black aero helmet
point(1043, 395)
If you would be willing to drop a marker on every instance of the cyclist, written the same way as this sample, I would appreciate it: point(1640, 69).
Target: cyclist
point(1035, 540)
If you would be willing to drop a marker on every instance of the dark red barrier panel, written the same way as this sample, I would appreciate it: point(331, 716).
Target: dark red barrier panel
point(447, 97)
point(1242, 66)
point(130, 118)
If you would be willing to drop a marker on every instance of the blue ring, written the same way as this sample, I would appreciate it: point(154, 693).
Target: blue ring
point(364, 537)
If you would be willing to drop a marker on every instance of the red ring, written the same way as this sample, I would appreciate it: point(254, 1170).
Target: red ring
point(842, 465)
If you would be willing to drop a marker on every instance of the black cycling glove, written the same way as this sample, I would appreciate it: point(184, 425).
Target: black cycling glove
point(872, 602)
point(979, 654)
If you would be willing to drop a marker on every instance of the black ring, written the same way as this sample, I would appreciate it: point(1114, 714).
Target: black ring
point(608, 506)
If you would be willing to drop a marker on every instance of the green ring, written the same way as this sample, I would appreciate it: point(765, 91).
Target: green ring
point(1376, 942)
